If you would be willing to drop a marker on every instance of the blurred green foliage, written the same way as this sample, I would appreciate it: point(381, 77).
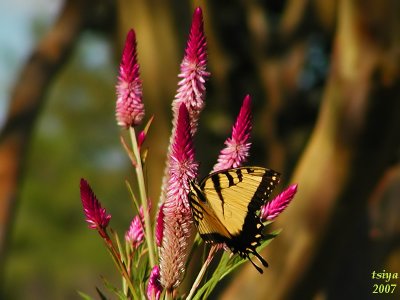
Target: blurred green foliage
point(52, 253)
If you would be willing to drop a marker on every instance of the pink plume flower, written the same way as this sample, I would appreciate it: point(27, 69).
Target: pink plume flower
point(129, 106)
point(191, 90)
point(178, 224)
point(96, 216)
point(237, 146)
point(154, 287)
point(135, 234)
point(274, 207)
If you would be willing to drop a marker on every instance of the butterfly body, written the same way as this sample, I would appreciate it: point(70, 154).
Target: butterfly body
point(225, 208)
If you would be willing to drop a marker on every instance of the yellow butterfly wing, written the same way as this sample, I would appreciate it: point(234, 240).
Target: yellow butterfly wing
point(234, 194)
point(225, 208)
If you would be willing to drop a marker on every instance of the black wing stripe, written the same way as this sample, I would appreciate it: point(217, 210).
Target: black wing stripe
point(239, 175)
point(268, 182)
point(217, 186)
point(230, 178)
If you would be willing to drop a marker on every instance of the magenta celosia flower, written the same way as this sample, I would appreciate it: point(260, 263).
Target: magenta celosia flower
point(178, 224)
point(135, 234)
point(237, 146)
point(96, 216)
point(274, 207)
point(191, 90)
point(154, 287)
point(159, 230)
point(129, 106)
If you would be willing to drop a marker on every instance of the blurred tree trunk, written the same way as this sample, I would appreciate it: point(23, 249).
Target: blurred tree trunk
point(28, 96)
point(356, 136)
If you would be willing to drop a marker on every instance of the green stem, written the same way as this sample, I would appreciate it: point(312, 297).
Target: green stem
point(200, 276)
point(117, 259)
point(143, 196)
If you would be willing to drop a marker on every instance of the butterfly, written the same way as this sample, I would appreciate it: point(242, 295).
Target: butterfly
point(225, 207)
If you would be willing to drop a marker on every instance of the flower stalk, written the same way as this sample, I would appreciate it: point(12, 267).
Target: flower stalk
point(214, 248)
point(143, 196)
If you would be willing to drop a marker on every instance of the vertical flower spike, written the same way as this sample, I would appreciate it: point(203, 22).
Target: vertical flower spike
point(274, 207)
point(178, 224)
point(191, 90)
point(237, 146)
point(154, 287)
point(129, 106)
point(96, 216)
point(135, 234)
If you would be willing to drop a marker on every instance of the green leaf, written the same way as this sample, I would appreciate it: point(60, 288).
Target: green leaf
point(129, 152)
point(147, 127)
point(111, 288)
point(119, 246)
point(102, 296)
point(134, 199)
point(84, 296)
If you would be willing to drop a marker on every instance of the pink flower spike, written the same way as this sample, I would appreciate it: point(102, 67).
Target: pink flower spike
point(277, 205)
point(96, 216)
point(191, 90)
point(237, 146)
point(154, 287)
point(178, 223)
point(135, 234)
point(160, 226)
point(129, 106)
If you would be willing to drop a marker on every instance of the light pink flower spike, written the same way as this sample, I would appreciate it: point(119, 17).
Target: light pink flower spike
point(178, 223)
point(191, 90)
point(154, 287)
point(135, 234)
point(129, 106)
point(274, 207)
point(96, 216)
point(237, 146)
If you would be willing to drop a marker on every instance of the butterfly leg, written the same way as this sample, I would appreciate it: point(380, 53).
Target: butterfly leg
point(260, 259)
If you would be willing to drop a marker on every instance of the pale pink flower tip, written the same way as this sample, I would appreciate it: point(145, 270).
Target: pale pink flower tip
point(129, 106)
point(96, 216)
point(135, 234)
point(273, 208)
point(238, 145)
point(191, 89)
point(154, 287)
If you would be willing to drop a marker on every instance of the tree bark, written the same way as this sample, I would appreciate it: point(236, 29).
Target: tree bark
point(339, 160)
point(28, 96)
